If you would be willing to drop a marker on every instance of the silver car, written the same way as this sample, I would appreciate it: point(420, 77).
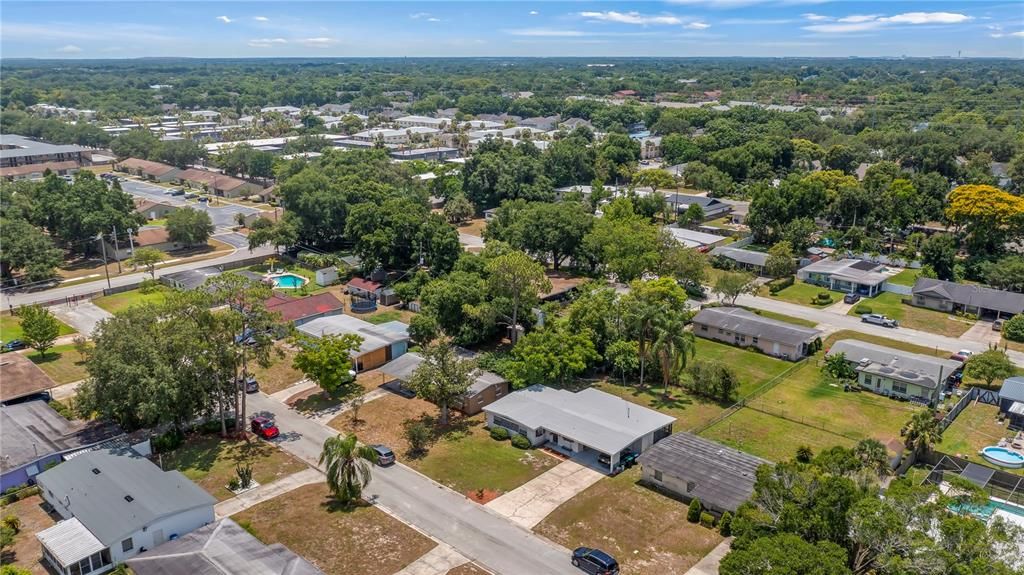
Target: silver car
point(879, 319)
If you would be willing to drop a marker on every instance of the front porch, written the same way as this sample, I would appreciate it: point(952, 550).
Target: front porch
point(71, 549)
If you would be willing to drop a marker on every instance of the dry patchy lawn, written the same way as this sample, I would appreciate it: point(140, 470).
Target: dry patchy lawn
point(280, 374)
point(646, 531)
point(468, 569)
point(362, 540)
point(62, 363)
point(26, 551)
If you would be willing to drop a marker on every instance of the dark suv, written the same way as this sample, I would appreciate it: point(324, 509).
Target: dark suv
point(594, 561)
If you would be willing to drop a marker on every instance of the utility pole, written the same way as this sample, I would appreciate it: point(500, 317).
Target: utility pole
point(116, 248)
point(104, 247)
point(131, 242)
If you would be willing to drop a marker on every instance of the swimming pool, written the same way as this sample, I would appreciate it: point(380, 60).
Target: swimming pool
point(288, 281)
point(985, 512)
point(1003, 457)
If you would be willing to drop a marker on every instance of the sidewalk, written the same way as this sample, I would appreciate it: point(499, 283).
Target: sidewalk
point(269, 491)
point(531, 502)
point(709, 564)
point(437, 561)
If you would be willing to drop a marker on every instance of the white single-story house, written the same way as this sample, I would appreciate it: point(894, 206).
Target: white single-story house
point(115, 504)
point(589, 425)
point(894, 373)
point(848, 275)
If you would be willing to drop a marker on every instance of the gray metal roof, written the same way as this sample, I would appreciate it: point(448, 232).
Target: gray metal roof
point(742, 256)
point(403, 367)
point(892, 363)
point(191, 279)
point(69, 541)
point(852, 270)
point(594, 418)
point(95, 487)
point(741, 321)
point(723, 477)
point(374, 336)
point(32, 430)
point(971, 295)
point(221, 548)
point(1013, 388)
point(14, 146)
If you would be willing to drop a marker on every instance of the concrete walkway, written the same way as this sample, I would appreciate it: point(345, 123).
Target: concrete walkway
point(437, 561)
point(65, 391)
point(709, 564)
point(324, 417)
point(83, 316)
point(530, 503)
point(269, 491)
point(297, 388)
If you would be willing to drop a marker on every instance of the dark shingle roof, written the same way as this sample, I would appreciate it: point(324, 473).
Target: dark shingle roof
point(32, 430)
point(972, 295)
point(723, 477)
point(739, 320)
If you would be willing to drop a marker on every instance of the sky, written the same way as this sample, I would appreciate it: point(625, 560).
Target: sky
point(674, 28)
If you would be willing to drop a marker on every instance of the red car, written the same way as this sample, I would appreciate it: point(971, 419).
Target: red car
point(264, 428)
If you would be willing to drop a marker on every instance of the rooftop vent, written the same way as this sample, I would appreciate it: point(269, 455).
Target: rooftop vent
point(95, 471)
point(129, 498)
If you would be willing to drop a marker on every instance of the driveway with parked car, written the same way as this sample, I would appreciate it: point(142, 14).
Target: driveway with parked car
point(223, 216)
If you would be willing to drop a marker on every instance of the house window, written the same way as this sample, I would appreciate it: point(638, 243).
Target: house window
point(867, 380)
point(657, 476)
point(703, 327)
point(754, 339)
point(690, 486)
point(127, 545)
point(720, 330)
point(899, 387)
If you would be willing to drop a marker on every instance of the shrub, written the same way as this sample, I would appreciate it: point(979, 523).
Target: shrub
point(693, 514)
point(521, 441)
point(149, 285)
point(12, 522)
point(725, 524)
point(417, 435)
point(61, 408)
point(166, 442)
point(804, 454)
point(707, 520)
point(499, 433)
point(1013, 328)
point(14, 570)
point(777, 285)
point(862, 309)
point(244, 473)
point(234, 484)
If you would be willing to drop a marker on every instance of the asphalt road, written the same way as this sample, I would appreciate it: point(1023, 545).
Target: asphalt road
point(476, 532)
point(222, 215)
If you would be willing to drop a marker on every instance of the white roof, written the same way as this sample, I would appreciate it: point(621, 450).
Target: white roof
point(694, 239)
point(69, 541)
point(374, 336)
point(594, 418)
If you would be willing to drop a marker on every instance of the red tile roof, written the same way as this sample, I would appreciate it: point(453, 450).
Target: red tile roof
point(28, 169)
point(295, 309)
point(364, 285)
point(212, 179)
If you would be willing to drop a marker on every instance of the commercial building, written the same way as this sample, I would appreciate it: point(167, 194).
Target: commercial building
point(37, 171)
point(18, 150)
point(592, 426)
point(739, 327)
point(894, 373)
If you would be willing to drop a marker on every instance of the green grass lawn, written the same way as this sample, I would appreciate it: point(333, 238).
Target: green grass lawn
point(974, 429)
point(62, 363)
point(783, 317)
point(646, 531)
point(10, 328)
point(210, 461)
point(906, 277)
point(891, 305)
point(385, 316)
point(801, 293)
point(121, 301)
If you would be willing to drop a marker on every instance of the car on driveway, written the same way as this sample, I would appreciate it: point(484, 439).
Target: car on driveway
point(879, 319)
point(251, 385)
point(384, 454)
point(851, 298)
point(13, 345)
point(594, 561)
point(997, 325)
point(962, 355)
point(264, 427)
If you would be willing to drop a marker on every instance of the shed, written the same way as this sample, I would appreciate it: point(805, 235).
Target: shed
point(326, 276)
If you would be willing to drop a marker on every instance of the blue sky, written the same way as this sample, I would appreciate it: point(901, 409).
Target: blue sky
point(84, 29)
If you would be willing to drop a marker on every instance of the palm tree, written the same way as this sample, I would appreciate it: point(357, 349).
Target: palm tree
point(873, 456)
point(347, 466)
point(673, 346)
point(922, 432)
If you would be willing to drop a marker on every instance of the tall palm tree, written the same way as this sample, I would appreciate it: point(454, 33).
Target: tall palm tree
point(874, 456)
point(922, 432)
point(347, 466)
point(672, 345)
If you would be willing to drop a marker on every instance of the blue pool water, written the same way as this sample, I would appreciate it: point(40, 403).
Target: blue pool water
point(986, 511)
point(289, 281)
point(1004, 457)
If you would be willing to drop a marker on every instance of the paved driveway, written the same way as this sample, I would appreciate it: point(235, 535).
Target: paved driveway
point(83, 316)
point(530, 503)
point(475, 532)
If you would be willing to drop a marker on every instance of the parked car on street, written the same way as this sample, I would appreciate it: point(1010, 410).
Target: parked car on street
point(594, 561)
point(13, 345)
point(264, 427)
point(962, 355)
point(851, 298)
point(251, 385)
point(879, 319)
point(384, 454)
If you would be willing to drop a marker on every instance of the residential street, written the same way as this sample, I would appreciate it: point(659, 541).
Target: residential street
point(222, 215)
point(474, 531)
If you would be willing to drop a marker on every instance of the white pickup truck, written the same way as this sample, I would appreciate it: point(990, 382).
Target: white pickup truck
point(879, 319)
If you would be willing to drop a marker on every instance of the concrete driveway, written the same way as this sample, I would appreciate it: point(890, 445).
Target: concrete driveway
point(83, 316)
point(982, 332)
point(530, 503)
point(470, 241)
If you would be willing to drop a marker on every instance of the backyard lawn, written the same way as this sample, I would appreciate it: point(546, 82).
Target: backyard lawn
point(891, 305)
point(338, 541)
point(385, 316)
point(62, 363)
point(10, 327)
point(801, 293)
point(210, 461)
point(280, 374)
point(770, 437)
point(646, 531)
point(462, 456)
point(974, 429)
point(124, 300)
point(25, 551)
point(906, 277)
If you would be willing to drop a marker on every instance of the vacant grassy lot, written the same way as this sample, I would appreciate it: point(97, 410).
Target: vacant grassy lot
point(801, 293)
point(891, 305)
point(210, 461)
point(461, 455)
point(62, 363)
point(646, 531)
point(124, 300)
point(280, 374)
point(10, 328)
point(753, 368)
point(906, 277)
point(362, 540)
point(25, 551)
point(974, 429)
point(770, 437)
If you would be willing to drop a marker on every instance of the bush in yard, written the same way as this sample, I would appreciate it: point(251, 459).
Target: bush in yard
point(804, 454)
point(12, 522)
point(14, 570)
point(499, 433)
point(693, 513)
point(521, 441)
point(707, 520)
point(167, 441)
point(244, 473)
point(417, 434)
point(1013, 328)
point(823, 298)
point(725, 524)
point(777, 285)
point(862, 309)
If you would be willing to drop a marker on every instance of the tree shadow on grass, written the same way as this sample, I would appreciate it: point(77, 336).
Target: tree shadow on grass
point(332, 505)
point(459, 427)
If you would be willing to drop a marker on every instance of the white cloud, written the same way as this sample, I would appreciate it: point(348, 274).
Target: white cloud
point(261, 18)
point(267, 42)
point(534, 12)
point(319, 42)
point(697, 26)
point(855, 18)
point(419, 15)
point(726, 4)
point(1018, 34)
point(225, 19)
point(69, 49)
point(927, 18)
point(432, 19)
point(755, 21)
point(816, 17)
point(867, 22)
point(544, 32)
point(631, 18)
